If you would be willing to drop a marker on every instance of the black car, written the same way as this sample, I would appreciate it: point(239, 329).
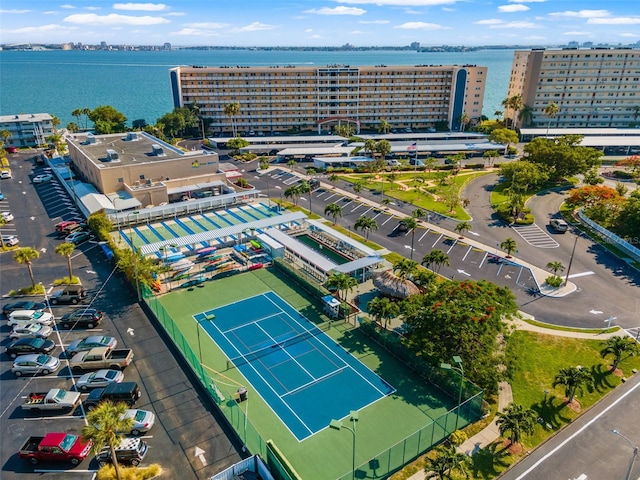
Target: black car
point(27, 345)
point(24, 305)
point(82, 318)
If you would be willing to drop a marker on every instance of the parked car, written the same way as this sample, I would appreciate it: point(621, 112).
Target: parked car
point(34, 364)
point(416, 162)
point(8, 216)
point(143, 420)
point(10, 240)
point(1, 196)
point(23, 305)
point(68, 294)
point(559, 225)
point(52, 401)
point(84, 318)
point(30, 330)
point(27, 345)
point(126, 392)
point(58, 447)
point(87, 343)
point(30, 316)
point(43, 178)
point(78, 237)
point(99, 379)
point(130, 450)
point(5, 174)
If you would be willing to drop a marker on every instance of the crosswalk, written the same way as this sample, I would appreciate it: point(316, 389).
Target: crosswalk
point(535, 236)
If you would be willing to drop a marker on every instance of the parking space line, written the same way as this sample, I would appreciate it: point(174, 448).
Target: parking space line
point(452, 245)
point(348, 203)
point(357, 207)
point(378, 214)
point(465, 255)
point(334, 195)
point(387, 220)
point(438, 239)
point(486, 254)
point(370, 208)
point(424, 234)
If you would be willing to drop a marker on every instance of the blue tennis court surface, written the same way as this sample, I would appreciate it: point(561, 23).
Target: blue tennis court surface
point(303, 374)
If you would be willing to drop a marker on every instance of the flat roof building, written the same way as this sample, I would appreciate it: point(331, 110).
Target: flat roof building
point(311, 98)
point(147, 169)
point(593, 88)
point(27, 130)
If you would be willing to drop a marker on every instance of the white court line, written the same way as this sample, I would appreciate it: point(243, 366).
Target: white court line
point(578, 432)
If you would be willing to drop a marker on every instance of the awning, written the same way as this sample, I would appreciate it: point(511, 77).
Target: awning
point(358, 264)
point(302, 251)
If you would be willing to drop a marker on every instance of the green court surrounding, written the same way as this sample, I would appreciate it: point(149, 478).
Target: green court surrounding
point(390, 432)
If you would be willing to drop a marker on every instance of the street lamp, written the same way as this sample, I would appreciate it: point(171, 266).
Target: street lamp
point(135, 253)
point(635, 452)
point(460, 370)
point(566, 280)
point(337, 425)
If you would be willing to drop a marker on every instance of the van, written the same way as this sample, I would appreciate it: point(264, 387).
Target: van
point(126, 392)
point(393, 163)
point(130, 450)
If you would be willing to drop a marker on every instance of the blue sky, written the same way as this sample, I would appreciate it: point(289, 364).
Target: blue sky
point(321, 22)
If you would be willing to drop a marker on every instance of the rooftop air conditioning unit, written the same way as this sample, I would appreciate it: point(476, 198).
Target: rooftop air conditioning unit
point(131, 137)
point(112, 156)
point(91, 140)
point(156, 150)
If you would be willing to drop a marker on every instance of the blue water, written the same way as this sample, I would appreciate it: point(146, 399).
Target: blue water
point(137, 83)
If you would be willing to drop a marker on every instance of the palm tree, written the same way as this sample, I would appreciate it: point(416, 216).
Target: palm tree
point(5, 135)
point(509, 245)
point(264, 163)
point(104, 423)
point(369, 145)
point(366, 224)
point(555, 267)
point(342, 283)
point(491, 155)
point(357, 187)
point(514, 104)
point(462, 227)
point(411, 223)
point(526, 115)
point(574, 379)
point(66, 249)
point(550, 111)
point(516, 420)
point(446, 460)
point(464, 121)
point(382, 309)
point(293, 192)
point(384, 126)
point(419, 213)
point(86, 112)
point(77, 112)
point(618, 346)
point(232, 110)
point(425, 280)
point(334, 177)
point(334, 210)
point(404, 268)
point(435, 260)
point(498, 114)
point(26, 255)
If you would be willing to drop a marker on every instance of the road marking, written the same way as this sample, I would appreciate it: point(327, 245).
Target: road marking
point(424, 234)
point(465, 255)
point(357, 207)
point(535, 236)
point(391, 217)
point(434, 243)
point(473, 233)
point(596, 312)
point(378, 214)
point(578, 432)
point(576, 275)
point(131, 332)
point(200, 454)
point(464, 273)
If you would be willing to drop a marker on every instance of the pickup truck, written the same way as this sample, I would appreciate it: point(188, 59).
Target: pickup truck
point(100, 358)
point(68, 294)
point(54, 399)
point(55, 447)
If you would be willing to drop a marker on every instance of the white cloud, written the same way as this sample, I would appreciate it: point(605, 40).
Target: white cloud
point(113, 19)
point(194, 32)
point(146, 7)
point(67, 6)
point(633, 35)
point(526, 1)
point(14, 12)
point(175, 14)
point(577, 34)
point(357, 32)
point(399, 3)
point(308, 30)
point(489, 21)
point(421, 26)
point(337, 11)
point(448, 9)
point(50, 12)
point(92, 9)
point(514, 25)
point(614, 21)
point(374, 22)
point(212, 25)
point(52, 27)
point(581, 14)
point(517, 7)
point(256, 27)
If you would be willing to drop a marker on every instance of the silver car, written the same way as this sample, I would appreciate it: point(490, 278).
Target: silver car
point(34, 364)
point(87, 343)
point(99, 379)
point(143, 420)
point(30, 316)
point(30, 330)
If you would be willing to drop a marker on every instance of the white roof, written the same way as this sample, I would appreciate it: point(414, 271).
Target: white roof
point(284, 138)
point(344, 238)
point(300, 249)
point(582, 131)
point(317, 151)
point(25, 117)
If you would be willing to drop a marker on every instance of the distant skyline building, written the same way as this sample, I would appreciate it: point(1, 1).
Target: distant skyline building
point(593, 88)
point(304, 98)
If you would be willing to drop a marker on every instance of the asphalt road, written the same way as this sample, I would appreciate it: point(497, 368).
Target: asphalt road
point(184, 417)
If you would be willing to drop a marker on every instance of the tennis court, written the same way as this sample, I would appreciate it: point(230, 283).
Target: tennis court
point(291, 363)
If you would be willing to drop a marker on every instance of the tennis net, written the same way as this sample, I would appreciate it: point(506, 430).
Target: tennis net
point(261, 352)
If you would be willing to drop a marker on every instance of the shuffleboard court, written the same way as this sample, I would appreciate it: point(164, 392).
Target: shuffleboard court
point(305, 377)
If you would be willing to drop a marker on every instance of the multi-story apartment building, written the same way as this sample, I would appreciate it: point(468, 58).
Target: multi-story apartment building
point(596, 87)
point(27, 130)
point(305, 98)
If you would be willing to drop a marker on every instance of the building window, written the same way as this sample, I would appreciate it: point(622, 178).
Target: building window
point(141, 177)
point(120, 180)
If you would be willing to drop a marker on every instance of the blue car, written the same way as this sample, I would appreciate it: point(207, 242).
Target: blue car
point(1, 196)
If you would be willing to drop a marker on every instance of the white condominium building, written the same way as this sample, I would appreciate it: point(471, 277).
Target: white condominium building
point(306, 98)
point(593, 88)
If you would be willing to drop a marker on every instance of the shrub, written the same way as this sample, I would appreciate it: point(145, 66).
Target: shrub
point(526, 220)
point(554, 281)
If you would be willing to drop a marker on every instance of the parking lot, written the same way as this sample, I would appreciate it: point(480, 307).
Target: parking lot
point(185, 423)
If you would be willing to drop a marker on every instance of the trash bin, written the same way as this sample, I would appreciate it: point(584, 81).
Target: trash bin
point(242, 394)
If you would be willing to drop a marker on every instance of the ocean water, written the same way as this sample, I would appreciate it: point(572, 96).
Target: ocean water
point(137, 83)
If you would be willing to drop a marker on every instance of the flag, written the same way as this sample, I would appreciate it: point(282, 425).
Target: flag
point(413, 147)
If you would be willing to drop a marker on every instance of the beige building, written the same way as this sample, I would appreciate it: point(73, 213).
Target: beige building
point(142, 167)
point(593, 88)
point(305, 98)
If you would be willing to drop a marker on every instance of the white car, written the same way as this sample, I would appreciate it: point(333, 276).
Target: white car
point(8, 216)
point(143, 420)
point(42, 178)
point(36, 330)
point(10, 240)
point(99, 379)
point(30, 316)
point(5, 174)
point(34, 364)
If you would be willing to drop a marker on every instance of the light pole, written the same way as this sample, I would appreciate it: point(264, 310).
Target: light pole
point(635, 452)
point(337, 425)
point(135, 254)
point(460, 370)
point(575, 242)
